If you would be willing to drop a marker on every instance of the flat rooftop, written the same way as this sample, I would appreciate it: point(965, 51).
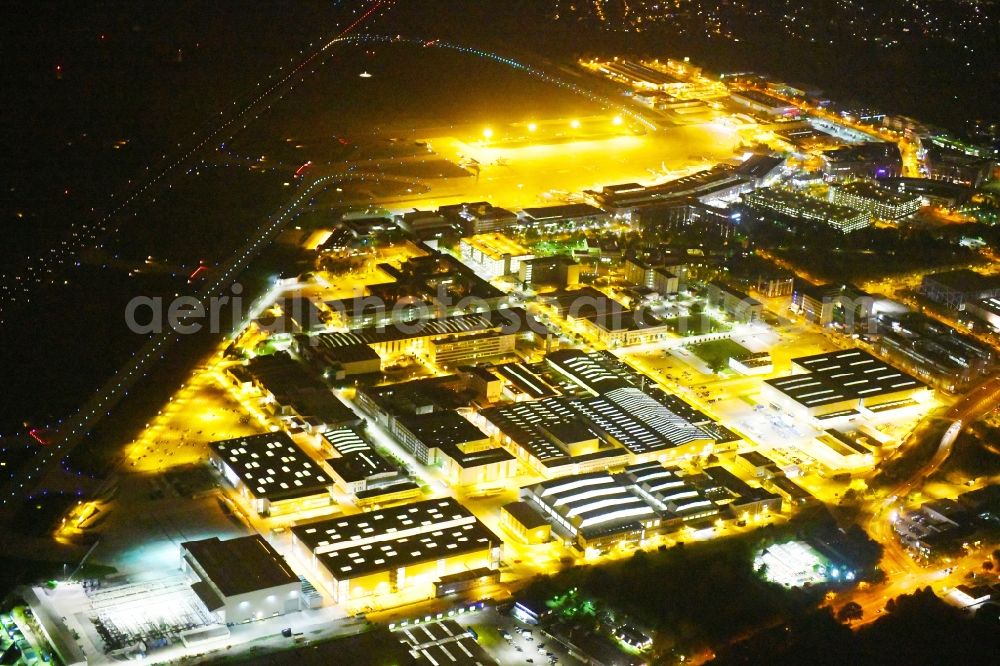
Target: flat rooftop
point(874, 192)
point(272, 466)
point(790, 202)
point(238, 566)
point(496, 245)
point(562, 212)
point(358, 458)
point(842, 375)
point(401, 536)
point(525, 514)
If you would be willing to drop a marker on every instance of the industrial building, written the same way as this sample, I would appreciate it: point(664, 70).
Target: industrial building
point(272, 474)
point(662, 279)
point(560, 271)
point(600, 510)
point(525, 522)
point(465, 454)
point(614, 423)
point(421, 415)
point(454, 340)
point(241, 580)
point(956, 288)
point(882, 202)
point(987, 309)
point(403, 547)
point(800, 206)
point(294, 391)
point(357, 465)
point(842, 383)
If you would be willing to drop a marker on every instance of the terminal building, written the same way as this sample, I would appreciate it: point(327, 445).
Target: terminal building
point(626, 200)
point(241, 580)
point(802, 207)
point(842, 384)
point(564, 217)
point(882, 202)
point(400, 548)
point(764, 104)
point(272, 474)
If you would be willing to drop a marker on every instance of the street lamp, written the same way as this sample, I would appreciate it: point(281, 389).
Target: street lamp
point(488, 133)
point(575, 124)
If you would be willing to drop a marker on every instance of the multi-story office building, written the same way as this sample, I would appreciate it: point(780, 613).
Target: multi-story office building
point(803, 207)
point(735, 303)
point(842, 305)
point(882, 202)
point(865, 160)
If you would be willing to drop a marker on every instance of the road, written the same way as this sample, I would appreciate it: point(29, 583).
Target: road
point(903, 573)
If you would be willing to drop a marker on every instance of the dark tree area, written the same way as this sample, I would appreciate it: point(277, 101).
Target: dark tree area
point(871, 253)
point(694, 596)
point(917, 629)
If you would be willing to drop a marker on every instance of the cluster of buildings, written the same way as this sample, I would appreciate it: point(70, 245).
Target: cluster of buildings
point(882, 202)
point(944, 526)
point(422, 415)
point(600, 509)
point(613, 417)
point(797, 206)
point(932, 351)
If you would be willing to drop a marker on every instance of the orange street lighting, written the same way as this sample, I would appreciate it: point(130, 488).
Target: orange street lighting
point(488, 133)
point(575, 124)
point(532, 127)
point(618, 120)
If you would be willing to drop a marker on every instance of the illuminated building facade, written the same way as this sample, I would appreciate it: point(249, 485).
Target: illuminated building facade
point(403, 547)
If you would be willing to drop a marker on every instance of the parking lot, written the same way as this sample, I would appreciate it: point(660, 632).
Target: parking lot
point(512, 642)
